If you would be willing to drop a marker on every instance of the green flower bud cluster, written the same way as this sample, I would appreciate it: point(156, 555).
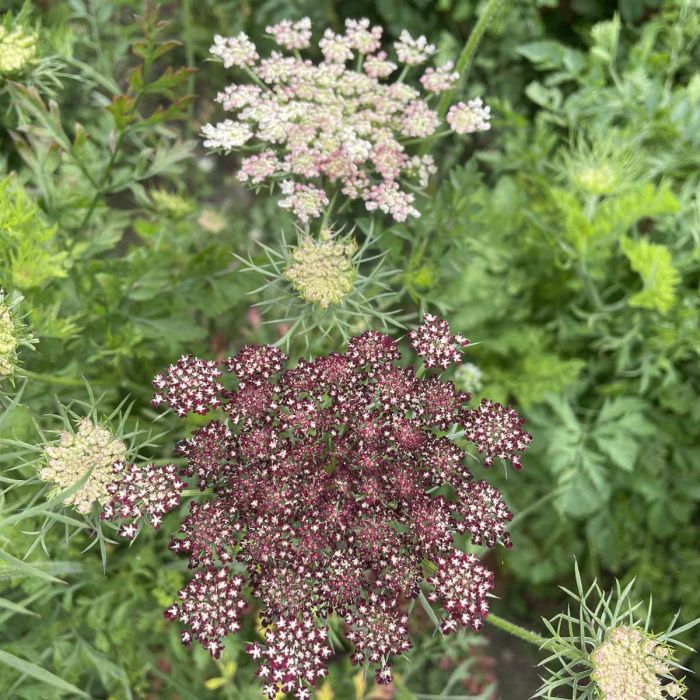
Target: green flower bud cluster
point(18, 50)
point(9, 341)
point(322, 271)
point(90, 447)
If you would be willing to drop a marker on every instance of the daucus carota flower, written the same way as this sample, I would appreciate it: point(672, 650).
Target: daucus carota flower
point(18, 50)
point(604, 649)
point(235, 50)
point(190, 385)
point(470, 117)
point(322, 271)
point(330, 127)
point(496, 431)
point(90, 447)
point(434, 343)
point(439, 79)
point(292, 35)
point(9, 340)
point(323, 481)
point(631, 664)
point(413, 51)
point(141, 494)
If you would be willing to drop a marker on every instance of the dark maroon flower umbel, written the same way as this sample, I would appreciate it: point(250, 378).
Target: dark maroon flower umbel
point(332, 487)
point(434, 342)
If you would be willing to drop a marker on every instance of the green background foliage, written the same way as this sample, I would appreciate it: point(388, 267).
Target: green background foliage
point(565, 241)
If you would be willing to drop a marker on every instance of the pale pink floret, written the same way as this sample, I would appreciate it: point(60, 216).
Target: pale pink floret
point(334, 47)
point(361, 37)
point(470, 117)
point(378, 66)
point(388, 197)
point(439, 79)
point(234, 50)
point(292, 35)
point(238, 96)
point(255, 169)
point(388, 158)
point(307, 202)
point(419, 120)
point(413, 51)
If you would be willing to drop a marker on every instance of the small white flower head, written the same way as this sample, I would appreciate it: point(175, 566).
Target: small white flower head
point(237, 51)
point(631, 664)
point(470, 117)
point(378, 66)
point(322, 271)
point(439, 79)
point(228, 134)
point(412, 51)
point(335, 47)
point(238, 96)
point(361, 37)
point(419, 120)
point(291, 35)
point(389, 197)
point(257, 168)
point(89, 447)
point(306, 201)
point(18, 50)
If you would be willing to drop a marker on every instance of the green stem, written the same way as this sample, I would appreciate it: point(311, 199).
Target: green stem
point(534, 506)
point(189, 58)
point(464, 62)
point(195, 492)
point(62, 381)
point(517, 631)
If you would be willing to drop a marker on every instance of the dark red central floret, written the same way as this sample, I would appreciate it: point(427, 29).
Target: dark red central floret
point(334, 485)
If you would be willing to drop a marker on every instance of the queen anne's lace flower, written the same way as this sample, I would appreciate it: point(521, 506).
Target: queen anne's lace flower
point(332, 126)
point(470, 117)
point(630, 665)
point(439, 79)
point(210, 608)
point(18, 50)
point(496, 431)
point(305, 201)
point(463, 583)
point(322, 271)
point(324, 480)
point(235, 51)
point(9, 340)
point(228, 134)
point(188, 386)
point(434, 342)
point(142, 494)
point(292, 35)
point(90, 447)
point(413, 51)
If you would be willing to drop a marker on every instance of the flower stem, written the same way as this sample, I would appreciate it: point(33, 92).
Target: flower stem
point(517, 631)
point(466, 58)
point(63, 381)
